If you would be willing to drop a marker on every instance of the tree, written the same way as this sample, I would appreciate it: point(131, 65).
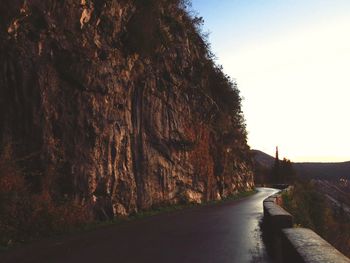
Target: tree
point(282, 171)
point(287, 171)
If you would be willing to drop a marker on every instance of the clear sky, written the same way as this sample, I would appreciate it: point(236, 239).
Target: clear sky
point(291, 60)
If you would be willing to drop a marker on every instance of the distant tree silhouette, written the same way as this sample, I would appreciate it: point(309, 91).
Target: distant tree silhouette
point(287, 171)
point(276, 173)
point(282, 171)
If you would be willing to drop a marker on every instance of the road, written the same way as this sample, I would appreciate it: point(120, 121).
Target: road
point(227, 232)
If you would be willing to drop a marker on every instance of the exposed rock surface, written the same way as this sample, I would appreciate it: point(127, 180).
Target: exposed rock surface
point(114, 104)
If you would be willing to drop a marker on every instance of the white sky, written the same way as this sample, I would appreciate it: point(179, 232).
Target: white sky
point(293, 73)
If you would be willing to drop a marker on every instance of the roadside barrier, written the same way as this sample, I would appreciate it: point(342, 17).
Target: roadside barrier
point(294, 245)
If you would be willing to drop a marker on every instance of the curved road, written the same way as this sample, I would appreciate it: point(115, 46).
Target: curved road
point(221, 233)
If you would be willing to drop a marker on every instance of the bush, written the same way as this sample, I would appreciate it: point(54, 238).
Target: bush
point(24, 214)
point(311, 209)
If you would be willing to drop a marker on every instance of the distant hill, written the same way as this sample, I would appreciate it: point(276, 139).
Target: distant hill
point(323, 170)
point(308, 169)
point(262, 158)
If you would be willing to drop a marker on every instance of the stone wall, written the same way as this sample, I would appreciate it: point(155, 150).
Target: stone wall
point(295, 245)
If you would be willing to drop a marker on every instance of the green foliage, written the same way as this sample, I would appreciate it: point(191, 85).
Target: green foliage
point(308, 206)
point(311, 209)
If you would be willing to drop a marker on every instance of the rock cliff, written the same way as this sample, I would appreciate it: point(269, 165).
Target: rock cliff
point(118, 104)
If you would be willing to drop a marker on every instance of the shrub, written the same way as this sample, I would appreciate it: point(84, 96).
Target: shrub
point(311, 209)
point(25, 214)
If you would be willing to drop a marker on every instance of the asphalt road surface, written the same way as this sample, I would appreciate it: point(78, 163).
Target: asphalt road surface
point(221, 233)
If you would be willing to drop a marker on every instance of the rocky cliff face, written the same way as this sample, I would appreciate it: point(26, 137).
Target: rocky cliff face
point(117, 104)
